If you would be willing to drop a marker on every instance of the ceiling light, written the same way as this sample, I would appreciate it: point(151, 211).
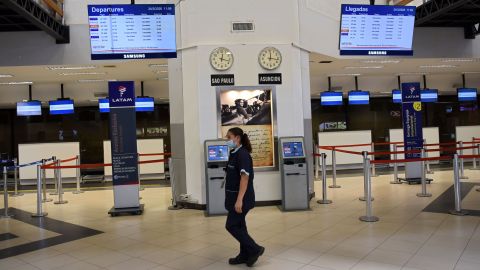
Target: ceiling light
point(411, 73)
point(160, 71)
point(364, 67)
point(162, 78)
point(386, 61)
point(15, 83)
point(158, 65)
point(81, 73)
point(344, 74)
point(6, 76)
point(452, 60)
point(438, 66)
point(96, 81)
point(71, 68)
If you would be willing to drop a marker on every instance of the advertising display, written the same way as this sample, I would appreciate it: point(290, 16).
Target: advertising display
point(123, 144)
point(132, 31)
point(293, 149)
point(412, 118)
point(218, 153)
point(252, 111)
point(29, 108)
point(58, 107)
point(376, 30)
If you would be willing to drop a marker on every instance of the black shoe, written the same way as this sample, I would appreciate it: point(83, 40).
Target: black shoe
point(253, 259)
point(237, 260)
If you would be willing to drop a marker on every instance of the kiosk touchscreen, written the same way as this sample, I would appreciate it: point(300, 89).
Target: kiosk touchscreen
point(294, 172)
point(216, 157)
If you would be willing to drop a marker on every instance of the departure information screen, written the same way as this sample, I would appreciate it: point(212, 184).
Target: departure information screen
point(132, 31)
point(377, 30)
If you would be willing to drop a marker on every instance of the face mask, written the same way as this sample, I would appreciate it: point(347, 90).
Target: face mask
point(231, 144)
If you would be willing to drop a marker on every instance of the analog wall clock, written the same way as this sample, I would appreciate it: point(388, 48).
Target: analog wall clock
point(270, 58)
point(221, 59)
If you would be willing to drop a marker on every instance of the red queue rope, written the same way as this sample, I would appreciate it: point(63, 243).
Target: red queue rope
point(69, 159)
point(469, 156)
point(97, 165)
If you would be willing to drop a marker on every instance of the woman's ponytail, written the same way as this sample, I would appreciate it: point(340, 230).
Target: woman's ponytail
point(246, 142)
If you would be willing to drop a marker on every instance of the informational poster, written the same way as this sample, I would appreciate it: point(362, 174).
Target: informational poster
point(124, 144)
point(250, 110)
point(412, 118)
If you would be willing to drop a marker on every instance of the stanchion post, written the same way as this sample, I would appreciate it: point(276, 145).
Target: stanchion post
point(369, 217)
point(424, 192)
point(324, 199)
point(317, 159)
point(395, 166)
point(334, 170)
point(44, 184)
point(5, 194)
point(138, 171)
point(374, 170)
point(462, 165)
point(78, 176)
point(39, 212)
point(60, 184)
point(476, 151)
point(429, 171)
point(15, 179)
point(457, 189)
point(364, 197)
point(55, 177)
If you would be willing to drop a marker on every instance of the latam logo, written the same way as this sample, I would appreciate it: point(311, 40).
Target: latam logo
point(412, 90)
point(122, 90)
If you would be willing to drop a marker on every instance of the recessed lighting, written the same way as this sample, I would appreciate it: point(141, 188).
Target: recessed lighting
point(162, 78)
point(96, 81)
point(6, 76)
point(160, 71)
point(82, 73)
point(364, 67)
point(344, 74)
point(438, 66)
point(386, 61)
point(15, 83)
point(453, 60)
point(158, 65)
point(71, 68)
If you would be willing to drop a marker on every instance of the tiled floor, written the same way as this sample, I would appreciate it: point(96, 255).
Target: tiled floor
point(328, 237)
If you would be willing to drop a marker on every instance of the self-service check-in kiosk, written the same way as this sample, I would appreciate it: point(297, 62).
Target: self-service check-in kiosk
point(294, 171)
point(216, 157)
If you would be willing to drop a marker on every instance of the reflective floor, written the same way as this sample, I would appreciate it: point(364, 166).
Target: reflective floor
point(328, 237)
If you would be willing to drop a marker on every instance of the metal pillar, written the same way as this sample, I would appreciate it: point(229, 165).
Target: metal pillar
point(395, 167)
point(317, 159)
point(5, 195)
point(44, 184)
point(429, 171)
point(324, 199)
point(39, 212)
point(334, 170)
point(15, 179)
point(372, 157)
point(477, 150)
point(60, 185)
point(462, 165)
point(55, 177)
point(369, 217)
point(365, 191)
point(138, 171)
point(78, 176)
point(457, 189)
point(424, 178)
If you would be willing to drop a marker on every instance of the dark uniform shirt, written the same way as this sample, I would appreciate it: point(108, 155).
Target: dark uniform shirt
point(239, 162)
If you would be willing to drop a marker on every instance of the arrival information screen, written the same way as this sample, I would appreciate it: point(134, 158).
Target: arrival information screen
point(377, 30)
point(132, 31)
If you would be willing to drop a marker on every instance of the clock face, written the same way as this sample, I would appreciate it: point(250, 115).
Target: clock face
point(270, 58)
point(221, 58)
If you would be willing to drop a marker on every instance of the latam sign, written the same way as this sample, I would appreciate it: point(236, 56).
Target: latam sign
point(121, 94)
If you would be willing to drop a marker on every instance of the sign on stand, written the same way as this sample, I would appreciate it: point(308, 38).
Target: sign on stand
point(124, 148)
point(412, 118)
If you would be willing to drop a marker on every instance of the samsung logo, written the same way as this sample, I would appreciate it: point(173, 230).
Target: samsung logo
point(356, 9)
point(377, 52)
point(134, 56)
point(106, 10)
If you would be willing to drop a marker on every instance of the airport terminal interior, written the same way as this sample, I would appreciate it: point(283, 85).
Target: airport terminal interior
point(138, 134)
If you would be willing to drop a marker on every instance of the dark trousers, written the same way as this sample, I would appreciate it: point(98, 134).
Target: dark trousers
point(237, 227)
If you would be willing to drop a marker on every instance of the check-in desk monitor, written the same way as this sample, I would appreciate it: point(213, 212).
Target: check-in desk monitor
point(294, 172)
point(216, 157)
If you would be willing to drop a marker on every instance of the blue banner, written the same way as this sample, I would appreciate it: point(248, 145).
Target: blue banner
point(123, 133)
point(412, 116)
point(378, 10)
